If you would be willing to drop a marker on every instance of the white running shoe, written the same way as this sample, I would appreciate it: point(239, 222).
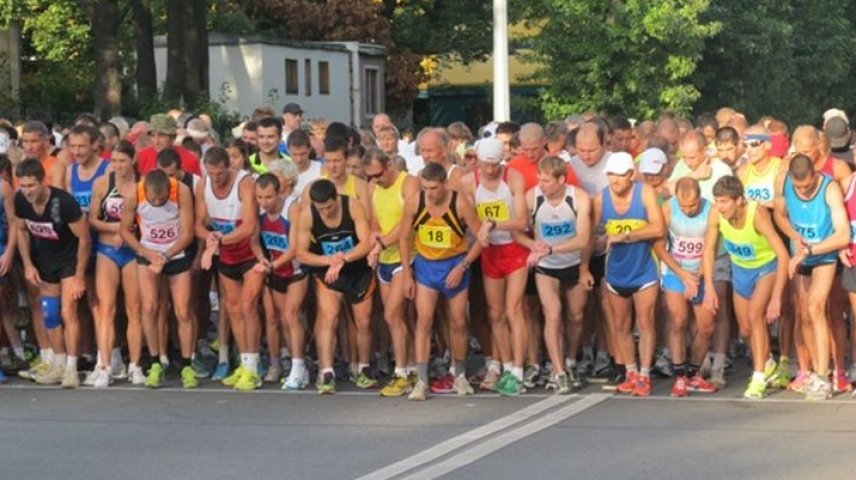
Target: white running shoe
point(102, 378)
point(136, 375)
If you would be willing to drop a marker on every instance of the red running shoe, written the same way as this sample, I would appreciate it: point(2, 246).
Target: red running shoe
point(699, 384)
point(643, 387)
point(443, 385)
point(629, 383)
point(679, 389)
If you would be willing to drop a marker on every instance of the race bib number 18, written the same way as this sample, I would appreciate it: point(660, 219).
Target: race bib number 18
point(435, 236)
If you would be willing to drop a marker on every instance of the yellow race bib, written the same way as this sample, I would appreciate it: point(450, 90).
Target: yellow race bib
point(435, 236)
point(620, 227)
point(496, 210)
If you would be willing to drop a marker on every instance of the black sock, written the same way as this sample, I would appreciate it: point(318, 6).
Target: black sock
point(679, 369)
point(692, 370)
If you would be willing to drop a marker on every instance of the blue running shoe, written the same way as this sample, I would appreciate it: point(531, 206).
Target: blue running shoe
point(221, 372)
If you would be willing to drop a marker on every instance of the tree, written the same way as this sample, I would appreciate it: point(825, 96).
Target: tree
point(187, 51)
point(108, 17)
point(634, 57)
point(144, 48)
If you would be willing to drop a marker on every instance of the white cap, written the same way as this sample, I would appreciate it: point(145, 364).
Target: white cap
point(489, 130)
point(652, 161)
point(197, 128)
point(489, 150)
point(619, 163)
point(834, 112)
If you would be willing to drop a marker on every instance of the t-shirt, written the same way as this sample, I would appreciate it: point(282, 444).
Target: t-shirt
point(529, 170)
point(51, 240)
point(147, 160)
point(718, 169)
point(592, 178)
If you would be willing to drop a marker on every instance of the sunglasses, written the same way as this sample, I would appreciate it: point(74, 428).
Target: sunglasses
point(374, 176)
point(753, 143)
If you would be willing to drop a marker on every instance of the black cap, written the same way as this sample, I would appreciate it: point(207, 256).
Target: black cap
point(292, 108)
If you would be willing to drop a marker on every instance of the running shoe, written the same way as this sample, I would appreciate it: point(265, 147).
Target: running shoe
point(232, 379)
point(574, 378)
point(706, 365)
point(156, 376)
point(188, 378)
point(396, 387)
point(220, 372)
point(296, 380)
point(563, 384)
point(800, 382)
point(248, 381)
point(618, 377)
point(510, 386)
point(552, 382)
point(92, 376)
point(756, 390)
point(770, 369)
point(3, 378)
point(782, 376)
point(102, 378)
point(489, 384)
point(37, 367)
point(586, 365)
point(478, 377)
point(70, 378)
point(383, 365)
point(629, 383)
point(462, 386)
point(50, 375)
point(717, 377)
point(679, 388)
point(419, 392)
point(118, 371)
point(699, 384)
point(603, 372)
point(531, 376)
point(818, 389)
point(840, 382)
point(136, 375)
point(326, 383)
point(642, 387)
point(663, 366)
point(443, 385)
point(286, 365)
point(365, 379)
point(273, 374)
point(199, 368)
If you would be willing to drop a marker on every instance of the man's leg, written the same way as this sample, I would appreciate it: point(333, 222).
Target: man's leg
point(290, 303)
point(326, 323)
point(180, 289)
point(644, 302)
point(50, 307)
point(460, 339)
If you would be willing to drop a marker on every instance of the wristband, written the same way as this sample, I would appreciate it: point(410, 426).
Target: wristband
point(550, 250)
point(464, 264)
point(492, 224)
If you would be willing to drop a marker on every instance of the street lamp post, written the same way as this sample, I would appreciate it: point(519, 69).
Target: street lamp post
point(501, 102)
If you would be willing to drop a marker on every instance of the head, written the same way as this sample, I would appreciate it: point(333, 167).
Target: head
point(122, 158)
point(83, 144)
point(250, 133)
point(335, 156)
point(287, 174)
point(434, 146)
point(268, 134)
point(387, 140)
point(433, 183)
point(757, 143)
point(324, 197)
point(156, 184)
point(728, 197)
point(261, 112)
point(505, 132)
point(806, 141)
point(239, 154)
point(354, 162)
point(110, 134)
point(489, 154)
point(31, 175)
point(590, 143)
point(378, 167)
point(706, 124)
point(739, 122)
point(552, 172)
point(199, 131)
point(318, 129)
point(267, 192)
point(803, 176)
point(35, 140)
point(380, 121)
point(723, 115)
point(693, 148)
point(619, 173)
point(621, 135)
point(292, 116)
point(653, 166)
point(169, 161)
point(533, 142)
point(688, 194)
point(162, 130)
point(728, 145)
point(459, 134)
point(557, 135)
point(299, 146)
point(217, 163)
point(667, 127)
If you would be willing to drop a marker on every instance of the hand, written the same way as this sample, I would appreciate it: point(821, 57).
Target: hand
point(691, 283)
point(453, 279)
point(333, 273)
point(483, 234)
point(261, 266)
point(213, 239)
point(31, 273)
point(774, 309)
point(374, 255)
point(409, 286)
point(613, 239)
point(207, 259)
point(711, 302)
point(844, 256)
point(5, 262)
point(338, 259)
point(600, 244)
point(78, 287)
point(586, 279)
point(794, 263)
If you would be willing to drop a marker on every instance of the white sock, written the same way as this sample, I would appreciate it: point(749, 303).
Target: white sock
point(759, 376)
point(46, 354)
point(488, 362)
point(116, 356)
point(252, 363)
point(244, 360)
point(19, 352)
point(133, 366)
point(223, 354)
point(517, 372)
point(284, 352)
point(59, 359)
point(411, 369)
point(506, 367)
point(71, 362)
point(361, 367)
point(718, 361)
point(297, 365)
point(164, 360)
point(400, 372)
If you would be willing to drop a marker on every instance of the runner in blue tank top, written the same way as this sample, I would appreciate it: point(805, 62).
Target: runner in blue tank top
point(686, 215)
point(629, 213)
point(811, 213)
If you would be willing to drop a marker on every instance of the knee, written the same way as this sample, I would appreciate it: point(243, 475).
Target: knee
point(678, 324)
point(69, 312)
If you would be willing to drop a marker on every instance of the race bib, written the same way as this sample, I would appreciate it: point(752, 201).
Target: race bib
point(44, 230)
point(84, 199)
point(160, 233)
point(344, 245)
point(275, 241)
point(558, 230)
point(743, 251)
point(758, 193)
point(809, 231)
point(496, 211)
point(620, 227)
point(113, 207)
point(223, 226)
point(687, 248)
point(435, 236)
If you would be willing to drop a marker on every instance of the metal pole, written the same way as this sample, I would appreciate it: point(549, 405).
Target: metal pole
point(501, 102)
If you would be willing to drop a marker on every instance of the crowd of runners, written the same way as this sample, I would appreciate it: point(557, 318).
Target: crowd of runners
point(518, 257)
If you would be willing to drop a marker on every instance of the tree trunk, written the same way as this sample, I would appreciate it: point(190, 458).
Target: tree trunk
point(195, 51)
point(175, 59)
point(147, 83)
point(104, 17)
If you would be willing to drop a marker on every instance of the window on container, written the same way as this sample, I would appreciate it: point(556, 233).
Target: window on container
point(372, 90)
point(291, 86)
point(307, 76)
point(324, 78)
